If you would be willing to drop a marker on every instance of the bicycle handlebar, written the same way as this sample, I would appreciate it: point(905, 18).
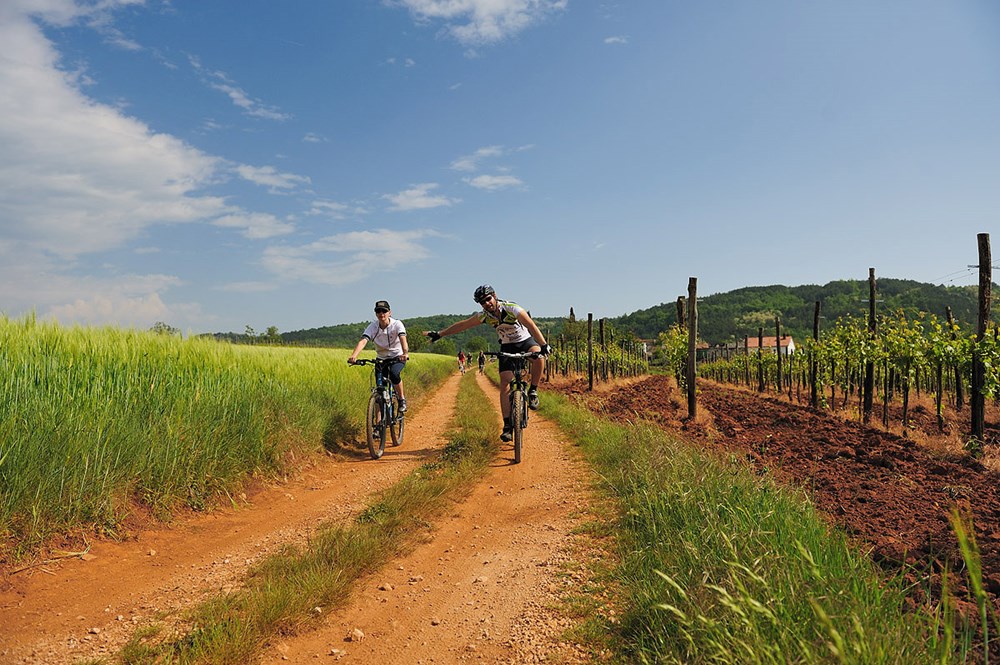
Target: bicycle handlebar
point(524, 354)
point(372, 361)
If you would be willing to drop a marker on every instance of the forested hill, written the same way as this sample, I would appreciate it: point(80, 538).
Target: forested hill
point(731, 316)
point(722, 317)
point(346, 335)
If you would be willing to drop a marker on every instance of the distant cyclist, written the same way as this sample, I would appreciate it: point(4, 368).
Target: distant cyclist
point(389, 336)
point(482, 361)
point(461, 361)
point(517, 333)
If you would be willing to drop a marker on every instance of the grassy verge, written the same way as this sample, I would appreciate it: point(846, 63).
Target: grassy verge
point(281, 593)
point(717, 565)
point(94, 420)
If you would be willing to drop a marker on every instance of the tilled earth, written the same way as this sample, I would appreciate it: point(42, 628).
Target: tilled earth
point(887, 490)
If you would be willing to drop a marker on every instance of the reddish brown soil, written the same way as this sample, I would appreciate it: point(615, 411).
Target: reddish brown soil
point(889, 491)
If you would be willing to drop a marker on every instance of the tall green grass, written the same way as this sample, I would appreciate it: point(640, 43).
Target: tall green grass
point(721, 566)
point(92, 420)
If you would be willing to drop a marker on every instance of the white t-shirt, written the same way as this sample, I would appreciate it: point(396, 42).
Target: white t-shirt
point(387, 344)
point(508, 328)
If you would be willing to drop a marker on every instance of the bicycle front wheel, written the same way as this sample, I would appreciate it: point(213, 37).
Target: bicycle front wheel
point(517, 407)
point(375, 427)
point(396, 429)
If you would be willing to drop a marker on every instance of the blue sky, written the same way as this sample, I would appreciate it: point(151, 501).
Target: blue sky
point(214, 165)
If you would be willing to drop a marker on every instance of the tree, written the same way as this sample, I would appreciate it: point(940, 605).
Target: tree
point(272, 336)
point(416, 341)
point(161, 328)
point(445, 347)
point(477, 344)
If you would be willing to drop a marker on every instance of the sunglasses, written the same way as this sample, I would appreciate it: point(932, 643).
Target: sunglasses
point(486, 299)
point(381, 311)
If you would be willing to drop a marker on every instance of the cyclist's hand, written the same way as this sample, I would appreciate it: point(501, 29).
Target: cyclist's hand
point(546, 349)
point(434, 335)
point(350, 361)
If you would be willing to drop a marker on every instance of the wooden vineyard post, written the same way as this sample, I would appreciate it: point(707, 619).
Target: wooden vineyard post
point(978, 367)
point(604, 351)
point(680, 311)
point(869, 363)
point(692, 363)
point(590, 351)
point(813, 361)
point(760, 360)
point(746, 359)
point(959, 397)
point(777, 350)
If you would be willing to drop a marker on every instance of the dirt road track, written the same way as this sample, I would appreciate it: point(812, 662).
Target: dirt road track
point(478, 588)
point(481, 587)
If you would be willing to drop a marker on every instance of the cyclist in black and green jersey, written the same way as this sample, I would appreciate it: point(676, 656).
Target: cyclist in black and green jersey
point(517, 333)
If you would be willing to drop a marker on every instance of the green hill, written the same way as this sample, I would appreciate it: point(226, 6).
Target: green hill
point(722, 317)
point(730, 316)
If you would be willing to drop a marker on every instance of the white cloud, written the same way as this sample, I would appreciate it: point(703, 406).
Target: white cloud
point(347, 258)
point(77, 176)
point(218, 80)
point(256, 225)
point(34, 282)
point(471, 162)
point(268, 176)
point(333, 209)
point(494, 182)
point(480, 22)
point(312, 137)
point(418, 198)
point(617, 39)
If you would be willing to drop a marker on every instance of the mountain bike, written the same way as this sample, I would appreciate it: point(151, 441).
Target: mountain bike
point(383, 408)
point(518, 395)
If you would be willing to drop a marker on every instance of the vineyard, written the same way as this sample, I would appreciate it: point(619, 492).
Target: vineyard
point(909, 356)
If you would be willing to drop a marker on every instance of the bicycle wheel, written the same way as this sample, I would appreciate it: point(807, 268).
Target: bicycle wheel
point(396, 428)
point(516, 408)
point(375, 427)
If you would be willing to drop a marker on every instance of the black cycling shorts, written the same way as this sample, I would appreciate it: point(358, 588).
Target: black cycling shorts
point(508, 364)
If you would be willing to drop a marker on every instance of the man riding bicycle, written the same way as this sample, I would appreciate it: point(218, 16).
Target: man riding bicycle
point(389, 336)
point(517, 333)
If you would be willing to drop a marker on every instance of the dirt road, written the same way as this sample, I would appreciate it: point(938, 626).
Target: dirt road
point(478, 588)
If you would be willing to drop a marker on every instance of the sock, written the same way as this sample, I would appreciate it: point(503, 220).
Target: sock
point(534, 388)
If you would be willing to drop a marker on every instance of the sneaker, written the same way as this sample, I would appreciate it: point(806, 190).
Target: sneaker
point(402, 406)
point(507, 434)
point(533, 400)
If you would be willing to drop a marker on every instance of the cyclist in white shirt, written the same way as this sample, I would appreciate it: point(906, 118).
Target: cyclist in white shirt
point(517, 333)
point(389, 337)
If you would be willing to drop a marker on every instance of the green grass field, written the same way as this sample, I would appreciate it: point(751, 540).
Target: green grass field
point(94, 420)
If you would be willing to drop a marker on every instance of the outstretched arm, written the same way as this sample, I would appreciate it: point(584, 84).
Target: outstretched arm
point(458, 327)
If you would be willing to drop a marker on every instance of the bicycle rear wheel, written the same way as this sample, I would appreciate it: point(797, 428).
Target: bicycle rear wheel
point(516, 408)
point(375, 427)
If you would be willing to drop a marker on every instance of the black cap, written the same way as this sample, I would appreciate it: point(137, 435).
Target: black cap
point(382, 304)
